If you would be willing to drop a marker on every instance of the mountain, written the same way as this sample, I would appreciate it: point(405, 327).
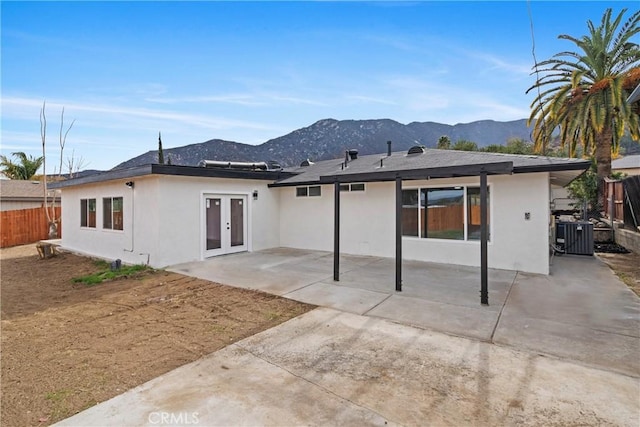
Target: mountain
point(329, 138)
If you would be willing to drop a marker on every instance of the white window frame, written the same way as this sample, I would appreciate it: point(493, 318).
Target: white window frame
point(348, 188)
point(112, 228)
point(465, 187)
point(307, 192)
point(87, 200)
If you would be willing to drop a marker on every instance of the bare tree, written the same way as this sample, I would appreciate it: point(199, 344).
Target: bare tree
point(50, 199)
point(75, 164)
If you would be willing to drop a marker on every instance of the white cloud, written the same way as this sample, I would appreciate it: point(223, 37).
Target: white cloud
point(369, 100)
point(16, 107)
point(497, 63)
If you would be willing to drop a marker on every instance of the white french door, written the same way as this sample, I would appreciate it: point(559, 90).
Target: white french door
point(225, 224)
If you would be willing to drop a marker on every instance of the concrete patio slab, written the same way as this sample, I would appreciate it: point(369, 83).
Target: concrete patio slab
point(444, 283)
point(352, 300)
point(457, 320)
point(333, 368)
point(581, 311)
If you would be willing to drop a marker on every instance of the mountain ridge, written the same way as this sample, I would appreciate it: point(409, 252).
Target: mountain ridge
point(329, 138)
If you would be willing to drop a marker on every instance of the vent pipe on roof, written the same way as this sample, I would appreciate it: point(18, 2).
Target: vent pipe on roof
point(346, 158)
point(416, 149)
point(388, 148)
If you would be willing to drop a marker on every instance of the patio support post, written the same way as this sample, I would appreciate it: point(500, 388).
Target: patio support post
point(398, 234)
point(484, 291)
point(336, 231)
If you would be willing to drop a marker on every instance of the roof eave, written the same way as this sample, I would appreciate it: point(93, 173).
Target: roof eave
point(579, 165)
point(495, 168)
point(172, 170)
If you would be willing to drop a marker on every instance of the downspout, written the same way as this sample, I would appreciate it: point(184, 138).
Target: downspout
point(131, 185)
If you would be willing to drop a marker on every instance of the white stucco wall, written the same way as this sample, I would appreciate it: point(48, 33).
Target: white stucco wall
point(181, 203)
point(368, 223)
point(110, 244)
point(367, 220)
point(168, 218)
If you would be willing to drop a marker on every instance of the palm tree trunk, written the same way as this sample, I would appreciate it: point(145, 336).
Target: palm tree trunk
point(603, 161)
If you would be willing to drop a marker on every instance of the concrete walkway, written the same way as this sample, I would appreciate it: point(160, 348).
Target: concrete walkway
point(426, 356)
point(333, 368)
point(581, 311)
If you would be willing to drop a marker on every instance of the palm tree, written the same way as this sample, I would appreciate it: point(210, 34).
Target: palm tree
point(584, 93)
point(24, 169)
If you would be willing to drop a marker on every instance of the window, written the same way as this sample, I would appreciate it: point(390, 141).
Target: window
point(410, 213)
point(352, 187)
point(312, 191)
point(88, 213)
point(451, 213)
point(315, 191)
point(444, 216)
point(112, 213)
point(473, 213)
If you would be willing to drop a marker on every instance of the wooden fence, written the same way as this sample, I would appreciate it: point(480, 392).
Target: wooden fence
point(445, 220)
point(25, 226)
point(614, 196)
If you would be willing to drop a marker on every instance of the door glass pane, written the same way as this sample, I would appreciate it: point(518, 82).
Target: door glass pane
point(409, 212)
point(237, 222)
point(444, 213)
point(214, 232)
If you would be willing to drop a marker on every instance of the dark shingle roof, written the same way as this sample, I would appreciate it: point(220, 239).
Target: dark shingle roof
point(431, 158)
point(18, 189)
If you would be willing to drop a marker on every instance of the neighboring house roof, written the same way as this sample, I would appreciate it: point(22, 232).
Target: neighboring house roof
point(138, 171)
point(626, 162)
point(433, 163)
point(20, 190)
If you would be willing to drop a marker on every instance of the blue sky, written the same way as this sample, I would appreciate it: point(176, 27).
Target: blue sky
point(249, 72)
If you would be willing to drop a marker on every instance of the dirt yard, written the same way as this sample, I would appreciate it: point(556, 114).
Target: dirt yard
point(67, 346)
point(626, 267)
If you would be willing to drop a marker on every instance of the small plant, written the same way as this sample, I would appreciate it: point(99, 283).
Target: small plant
point(58, 400)
point(107, 274)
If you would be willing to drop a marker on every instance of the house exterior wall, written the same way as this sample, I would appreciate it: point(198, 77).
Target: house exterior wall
point(181, 202)
point(367, 220)
point(368, 223)
point(112, 244)
point(168, 211)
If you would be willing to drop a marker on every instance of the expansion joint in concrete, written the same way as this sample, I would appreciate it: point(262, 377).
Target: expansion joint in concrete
point(495, 328)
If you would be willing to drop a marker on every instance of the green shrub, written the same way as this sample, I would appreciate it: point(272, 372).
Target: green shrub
point(106, 273)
